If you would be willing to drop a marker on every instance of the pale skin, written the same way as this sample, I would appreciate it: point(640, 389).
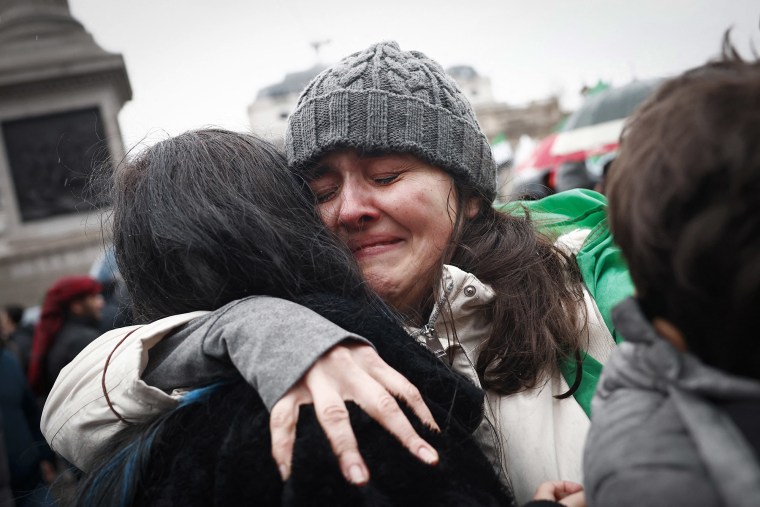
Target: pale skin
point(565, 492)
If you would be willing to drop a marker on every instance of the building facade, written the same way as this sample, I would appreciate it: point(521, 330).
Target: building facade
point(268, 114)
point(60, 94)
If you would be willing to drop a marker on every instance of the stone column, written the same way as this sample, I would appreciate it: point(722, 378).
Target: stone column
point(60, 94)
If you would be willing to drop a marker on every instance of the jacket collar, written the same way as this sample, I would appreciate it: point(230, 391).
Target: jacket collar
point(648, 361)
point(457, 317)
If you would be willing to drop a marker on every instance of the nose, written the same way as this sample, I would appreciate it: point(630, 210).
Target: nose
point(356, 207)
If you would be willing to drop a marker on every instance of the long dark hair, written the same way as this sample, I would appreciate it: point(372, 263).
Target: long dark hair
point(538, 316)
point(199, 220)
point(210, 216)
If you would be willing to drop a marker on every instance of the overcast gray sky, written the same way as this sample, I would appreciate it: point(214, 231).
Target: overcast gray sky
point(200, 62)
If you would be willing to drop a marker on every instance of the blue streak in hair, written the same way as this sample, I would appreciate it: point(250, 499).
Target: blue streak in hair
point(135, 454)
point(128, 473)
point(200, 395)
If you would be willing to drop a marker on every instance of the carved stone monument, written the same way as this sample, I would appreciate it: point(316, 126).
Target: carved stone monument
point(60, 94)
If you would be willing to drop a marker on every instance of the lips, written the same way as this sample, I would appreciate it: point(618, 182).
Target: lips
point(372, 246)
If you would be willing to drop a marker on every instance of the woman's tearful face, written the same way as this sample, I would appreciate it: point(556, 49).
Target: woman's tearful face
point(395, 212)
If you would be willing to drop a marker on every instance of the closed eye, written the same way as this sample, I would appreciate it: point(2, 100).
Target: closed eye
point(324, 195)
point(386, 180)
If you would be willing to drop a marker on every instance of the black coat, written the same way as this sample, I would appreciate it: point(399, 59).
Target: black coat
point(73, 337)
point(216, 451)
point(22, 446)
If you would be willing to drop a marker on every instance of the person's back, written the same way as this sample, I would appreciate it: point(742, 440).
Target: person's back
point(75, 335)
point(676, 419)
point(220, 435)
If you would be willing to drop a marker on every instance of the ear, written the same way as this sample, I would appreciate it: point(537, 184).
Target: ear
point(472, 207)
point(670, 332)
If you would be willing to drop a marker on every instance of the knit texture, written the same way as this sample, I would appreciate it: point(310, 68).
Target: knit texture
point(387, 99)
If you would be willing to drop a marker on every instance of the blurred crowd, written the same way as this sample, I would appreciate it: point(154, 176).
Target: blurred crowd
point(35, 344)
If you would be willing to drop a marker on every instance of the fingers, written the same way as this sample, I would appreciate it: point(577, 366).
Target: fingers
point(384, 409)
point(333, 417)
point(565, 488)
point(556, 490)
point(282, 426)
point(374, 396)
point(575, 500)
point(398, 385)
point(350, 372)
point(545, 491)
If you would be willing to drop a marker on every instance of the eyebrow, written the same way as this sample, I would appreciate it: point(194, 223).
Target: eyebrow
point(317, 169)
point(314, 171)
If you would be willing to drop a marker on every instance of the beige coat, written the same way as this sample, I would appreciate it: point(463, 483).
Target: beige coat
point(531, 437)
point(77, 420)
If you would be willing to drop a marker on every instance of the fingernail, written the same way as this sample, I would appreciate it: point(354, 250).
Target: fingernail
point(428, 455)
point(356, 475)
point(283, 472)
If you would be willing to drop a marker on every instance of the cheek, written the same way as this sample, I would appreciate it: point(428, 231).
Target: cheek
point(328, 216)
point(442, 234)
point(434, 229)
point(438, 217)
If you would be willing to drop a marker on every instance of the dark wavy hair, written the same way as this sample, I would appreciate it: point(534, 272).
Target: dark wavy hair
point(538, 315)
point(199, 220)
point(210, 216)
point(683, 196)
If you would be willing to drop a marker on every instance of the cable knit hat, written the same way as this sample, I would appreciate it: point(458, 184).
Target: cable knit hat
point(384, 98)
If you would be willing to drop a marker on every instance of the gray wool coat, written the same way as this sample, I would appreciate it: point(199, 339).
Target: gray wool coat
point(658, 433)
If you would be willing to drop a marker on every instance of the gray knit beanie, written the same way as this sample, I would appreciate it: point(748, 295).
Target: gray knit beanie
point(383, 98)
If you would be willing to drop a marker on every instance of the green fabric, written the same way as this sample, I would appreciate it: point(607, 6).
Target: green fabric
point(601, 264)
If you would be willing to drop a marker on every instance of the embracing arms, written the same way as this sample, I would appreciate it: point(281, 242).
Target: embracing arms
point(271, 342)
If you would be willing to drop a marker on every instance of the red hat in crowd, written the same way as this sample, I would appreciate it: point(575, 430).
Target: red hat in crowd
point(52, 317)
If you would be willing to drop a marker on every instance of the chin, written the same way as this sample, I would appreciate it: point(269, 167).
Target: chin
point(383, 287)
